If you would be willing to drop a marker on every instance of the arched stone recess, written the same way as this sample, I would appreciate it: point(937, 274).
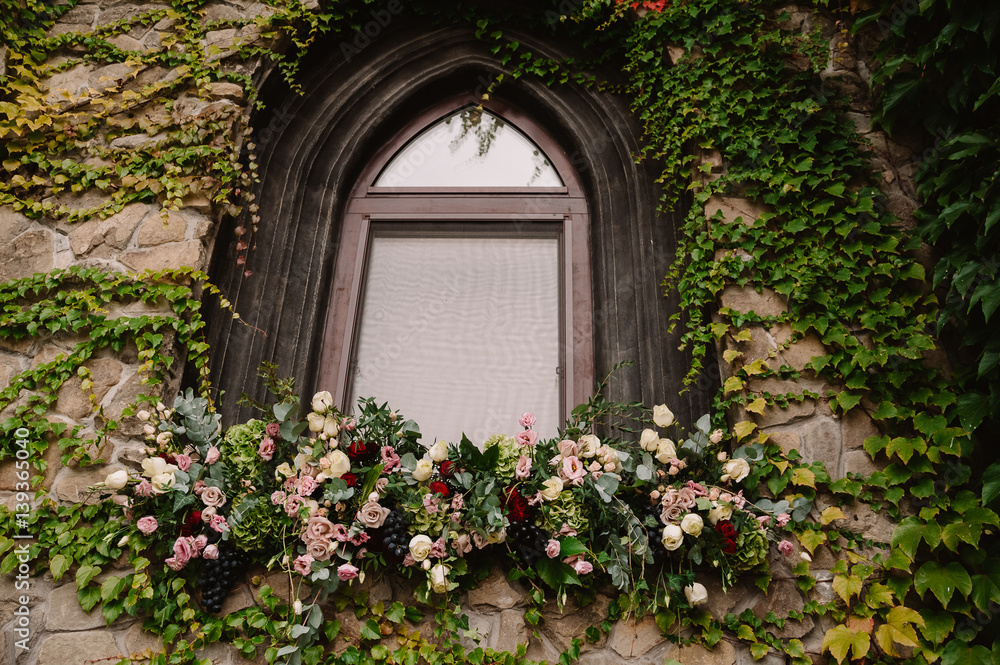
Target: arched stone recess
point(312, 148)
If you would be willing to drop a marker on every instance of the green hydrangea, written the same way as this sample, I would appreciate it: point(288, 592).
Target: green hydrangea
point(421, 521)
point(510, 452)
point(239, 449)
point(565, 509)
point(751, 549)
point(256, 526)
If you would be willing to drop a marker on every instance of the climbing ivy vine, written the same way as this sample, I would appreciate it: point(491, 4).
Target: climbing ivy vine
point(722, 76)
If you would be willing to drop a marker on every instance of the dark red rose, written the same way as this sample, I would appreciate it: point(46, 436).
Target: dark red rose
point(350, 479)
point(168, 458)
point(516, 505)
point(729, 546)
point(726, 529)
point(447, 469)
point(358, 449)
point(273, 430)
point(440, 488)
point(192, 523)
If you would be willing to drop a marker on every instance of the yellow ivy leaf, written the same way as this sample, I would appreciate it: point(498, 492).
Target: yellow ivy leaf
point(900, 617)
point(841, 639)
point(756, 367)
point(803, 476)
point(733, 384)
point(757, 406)
point(729, 354)
point(812, 539)
point(743, 429)
point(743, 336)
point(847, 586)
point(830, 514)
point(781, 465)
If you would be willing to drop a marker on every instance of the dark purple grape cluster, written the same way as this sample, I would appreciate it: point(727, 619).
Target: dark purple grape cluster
point(395, 538)
point(528, 541)
point(218, 576)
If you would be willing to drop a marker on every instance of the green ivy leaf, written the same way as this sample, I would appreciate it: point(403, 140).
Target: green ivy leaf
point(59, 565)
point(937, 625)
point(943, 581)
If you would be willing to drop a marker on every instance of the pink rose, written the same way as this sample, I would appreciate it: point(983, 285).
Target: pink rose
point(277, 497)
point(319, 550)
point(183, 551)
point(783, 519)
point(340, 533)
point(528, 437)
point(147, 524)
point(213, 497)
point(567, 530)
point(183, 462)
point(786, 548)
point(211, 552)
point(318, 528)
point(200, 542)
point(359, 539)
point(523, 468)
point(175, 564)
point(303, 564)
point(553, 548)
point(390, 459)
point(347, 572)
point(457, 502)
point(697, 489)
point(144, 488)
point(292, 504)
point(437, 549)
point(583, 567)
point(212, 456)
point(527, 419)
point(431, 503)
point(218, 523)
point(381, 484)
point(307, 485)
point(266, 449)
point(568, 448)
point(372, 515)
point(408, 560)
point(573, 468)
point(763, 520)
point(198, 487)
point(273, 429)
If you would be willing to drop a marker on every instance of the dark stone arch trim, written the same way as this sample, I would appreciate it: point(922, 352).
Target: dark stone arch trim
point(314, 146)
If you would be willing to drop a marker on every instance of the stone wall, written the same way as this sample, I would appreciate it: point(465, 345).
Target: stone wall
point(146, 236)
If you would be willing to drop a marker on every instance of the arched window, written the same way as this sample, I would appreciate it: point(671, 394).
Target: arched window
point(461, 291)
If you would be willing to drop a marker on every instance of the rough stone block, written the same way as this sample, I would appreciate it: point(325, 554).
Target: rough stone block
point(114, 231)
point(858, 426)
point(767, 303)
point(723, 653)
point(733, 209)
point(156, 231)
point(822, 441)
point(225, 90)
point(12, 224)
point(28, 253)
point(71, 486)
point(78, 648)
point(167, 257)
point(74, 402)
point(68, 84)
point(782, 598)
point(631, 639)
point(513, 630)
point(858, 461)
point(561, 628)
point(139, 643)
point(126, 43)
point(496, 592)
point(65, 613)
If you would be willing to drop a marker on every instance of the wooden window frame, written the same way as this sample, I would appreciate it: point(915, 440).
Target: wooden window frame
point(484, 207)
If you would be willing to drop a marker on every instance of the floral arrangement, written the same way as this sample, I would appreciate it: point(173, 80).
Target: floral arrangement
point(330, 498)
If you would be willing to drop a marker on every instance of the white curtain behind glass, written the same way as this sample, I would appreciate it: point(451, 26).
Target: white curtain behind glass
point(462, 332)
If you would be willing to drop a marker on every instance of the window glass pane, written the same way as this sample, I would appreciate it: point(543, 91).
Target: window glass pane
point(470, 148)
point(462, 332)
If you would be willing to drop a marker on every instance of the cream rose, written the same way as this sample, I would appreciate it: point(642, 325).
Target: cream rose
point(589, 445)
point(162, 481)
point(213, 496)
point(552, 487)
point(720, 512)
point(735, 470)
point(116, 480)
point(696, 594)
point(372, 515)
point(672, 537)
point(423, 470)
point(662, 416)
point(420, 547)
point(648, 440)
point(665, 451)
point(439, 451)
point(155, 466)
point(316, 422)
point(284, 469)
point(438, 576)
point(692, 524)
point(339, 464)
point(322, 401)
point(331, 427)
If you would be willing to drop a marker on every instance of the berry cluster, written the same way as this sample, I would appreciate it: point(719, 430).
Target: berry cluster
point(218, 577)
point(528, 540)
point(395, 538)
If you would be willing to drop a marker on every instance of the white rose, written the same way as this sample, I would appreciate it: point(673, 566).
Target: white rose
point(648, 439)
point(149, 429)
point(439, 578)
point(665, 451)
point(553, 486)
point(662, 416)
point(672, 537)
point(155, 466)
point(720, 512)
point(589, 444)
point(423, 470)
point(143, 415)
point(116, 480)
point(420, 547)
point(283, 470)
point(163, 438)
point(331, 427)
point(696, 594)
point(316, 422)
point(439, 451)
point(162, 481)
point(716, 436)
point(692, 524)
point(322, 401)
point(339, 464)
point(735, 470)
